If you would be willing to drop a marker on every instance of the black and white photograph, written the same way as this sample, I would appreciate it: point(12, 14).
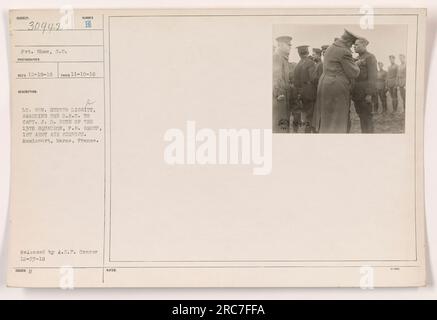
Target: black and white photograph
point(339, 79)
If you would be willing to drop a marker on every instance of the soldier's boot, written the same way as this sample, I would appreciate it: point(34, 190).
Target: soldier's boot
point(403, 98)
point(309, 122)
point(308, 128)
point(363, 124)
point(395, 101)
point(371, 128)
point(303, 119)
point(375, 103)
point(384, 105)
point(367, 124)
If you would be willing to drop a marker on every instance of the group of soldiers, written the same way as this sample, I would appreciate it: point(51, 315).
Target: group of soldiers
point(316, 93)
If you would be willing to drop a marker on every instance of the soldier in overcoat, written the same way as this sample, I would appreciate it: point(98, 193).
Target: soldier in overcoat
point(281, 86)
point(333, 93)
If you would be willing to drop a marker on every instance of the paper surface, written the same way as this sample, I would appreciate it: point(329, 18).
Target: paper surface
point(142, 155)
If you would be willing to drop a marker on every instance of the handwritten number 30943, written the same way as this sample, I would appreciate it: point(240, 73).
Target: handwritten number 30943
point(43, 26)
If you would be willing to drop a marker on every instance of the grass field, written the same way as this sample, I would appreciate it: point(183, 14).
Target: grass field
point(389, 122)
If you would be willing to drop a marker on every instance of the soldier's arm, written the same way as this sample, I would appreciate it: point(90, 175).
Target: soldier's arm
point(399, 77)
point(349, 66)
point(311, 69)
point(372, 71)
point(314, 76)
point(386, 80)
point(278, 83)
point(297, 77)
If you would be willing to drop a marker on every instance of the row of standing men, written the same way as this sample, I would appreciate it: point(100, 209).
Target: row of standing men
point(316, 93)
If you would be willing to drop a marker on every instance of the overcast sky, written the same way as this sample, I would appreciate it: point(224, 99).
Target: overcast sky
point(384, 39)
